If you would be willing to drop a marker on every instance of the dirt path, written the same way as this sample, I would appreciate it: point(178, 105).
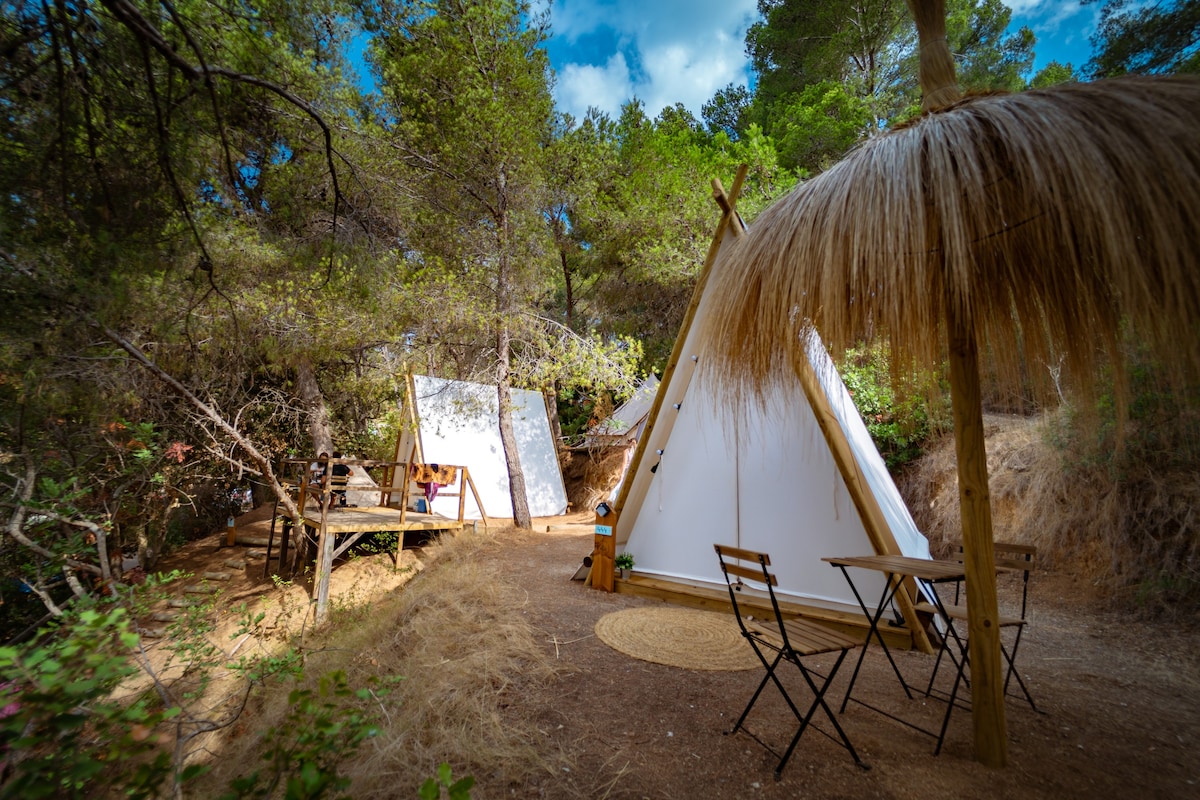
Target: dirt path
point(1121, 702)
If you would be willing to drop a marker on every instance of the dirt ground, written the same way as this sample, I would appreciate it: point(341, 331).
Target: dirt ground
point(1120, 703)
point(1120, 700)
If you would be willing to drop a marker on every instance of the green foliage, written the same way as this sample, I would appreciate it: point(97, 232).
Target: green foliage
point(623, 561)
point(726, 111)
point(322, 728)
point(1161, 426)
point(987, 56)
point(1053, 74)
point(899, 421)
point(1141, 470)
point(64, 735)
point(818, 125)
point(1146, 38)
point(847, 69)
point(454, 790)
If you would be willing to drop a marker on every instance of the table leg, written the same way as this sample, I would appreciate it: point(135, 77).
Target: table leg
point(889, 592)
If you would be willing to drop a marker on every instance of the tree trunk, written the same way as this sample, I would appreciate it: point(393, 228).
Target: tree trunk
point(570, 289)
point(508, 438)
point(313, 401)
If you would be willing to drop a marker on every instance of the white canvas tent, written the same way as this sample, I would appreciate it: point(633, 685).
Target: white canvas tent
point(628, 420)
point(798, 478)
point(458, 423)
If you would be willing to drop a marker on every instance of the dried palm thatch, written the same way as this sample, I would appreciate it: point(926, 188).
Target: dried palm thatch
point(1050, 218)
point(1019, 225)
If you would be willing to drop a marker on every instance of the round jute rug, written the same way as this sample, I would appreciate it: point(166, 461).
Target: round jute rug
point(678, 637)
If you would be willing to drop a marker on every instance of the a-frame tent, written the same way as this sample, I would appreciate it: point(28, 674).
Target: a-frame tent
point(798, 478)
point(457, 422)
point(625, 424)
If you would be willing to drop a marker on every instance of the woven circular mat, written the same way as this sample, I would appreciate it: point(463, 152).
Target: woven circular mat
point(678, 637)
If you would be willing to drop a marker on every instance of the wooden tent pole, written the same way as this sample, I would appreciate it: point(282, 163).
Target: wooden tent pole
point(979, 559)
point(404, 487)
point(633, 490)
point(878, 531)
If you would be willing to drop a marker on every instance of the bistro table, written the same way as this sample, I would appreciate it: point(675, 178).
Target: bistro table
point(927, 573)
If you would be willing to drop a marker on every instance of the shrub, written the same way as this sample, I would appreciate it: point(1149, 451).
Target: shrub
point(896, 409)
point(61, 735)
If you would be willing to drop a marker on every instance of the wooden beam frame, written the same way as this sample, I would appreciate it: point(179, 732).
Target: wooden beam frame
point(633, 490)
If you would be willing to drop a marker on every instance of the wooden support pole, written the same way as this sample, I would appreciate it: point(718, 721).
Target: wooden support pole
point(637, 481)
point(979, 559)
point(865, 502)
point(474, 493)
point(325, 543)
point(462, 495)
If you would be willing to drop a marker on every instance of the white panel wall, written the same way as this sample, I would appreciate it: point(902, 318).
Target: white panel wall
point(460, 425)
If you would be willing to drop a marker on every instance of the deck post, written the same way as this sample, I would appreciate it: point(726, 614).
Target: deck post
point(325, 542)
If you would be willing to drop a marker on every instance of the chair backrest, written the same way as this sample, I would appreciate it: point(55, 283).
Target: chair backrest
point(1012, 557)
point(734, 570)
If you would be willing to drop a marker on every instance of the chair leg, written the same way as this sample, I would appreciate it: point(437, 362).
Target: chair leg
point(1012, 672)
point(819, 701)
point(769, 676)
point(936, 665)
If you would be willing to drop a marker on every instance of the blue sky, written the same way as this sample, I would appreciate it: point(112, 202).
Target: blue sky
point(681, 51)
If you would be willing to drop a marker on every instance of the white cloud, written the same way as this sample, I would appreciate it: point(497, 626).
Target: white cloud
point(673, 51)
point(581, 86)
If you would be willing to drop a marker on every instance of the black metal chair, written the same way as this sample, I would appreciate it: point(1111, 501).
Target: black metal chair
point(784, 640)
point(1010, 557)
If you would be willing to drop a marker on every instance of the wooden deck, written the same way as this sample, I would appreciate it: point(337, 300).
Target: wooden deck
point(372, 519)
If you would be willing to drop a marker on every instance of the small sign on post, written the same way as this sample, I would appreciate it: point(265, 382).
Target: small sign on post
point(605, 548)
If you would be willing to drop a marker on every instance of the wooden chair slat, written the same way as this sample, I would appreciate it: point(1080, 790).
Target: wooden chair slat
point(750, 574)
point(742, 555)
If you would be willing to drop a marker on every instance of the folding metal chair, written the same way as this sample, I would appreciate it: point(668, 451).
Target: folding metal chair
point(1010, 557)
point(784, 640)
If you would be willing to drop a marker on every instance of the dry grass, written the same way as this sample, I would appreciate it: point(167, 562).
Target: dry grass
point(1130, 533)
point(457, 637)
point(592, 473)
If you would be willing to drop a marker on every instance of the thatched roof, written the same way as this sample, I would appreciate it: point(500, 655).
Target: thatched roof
point(1053, 217)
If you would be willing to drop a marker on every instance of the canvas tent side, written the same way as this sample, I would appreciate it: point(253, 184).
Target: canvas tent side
point(626, 423)
point(457, 422)
point(797, 477)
